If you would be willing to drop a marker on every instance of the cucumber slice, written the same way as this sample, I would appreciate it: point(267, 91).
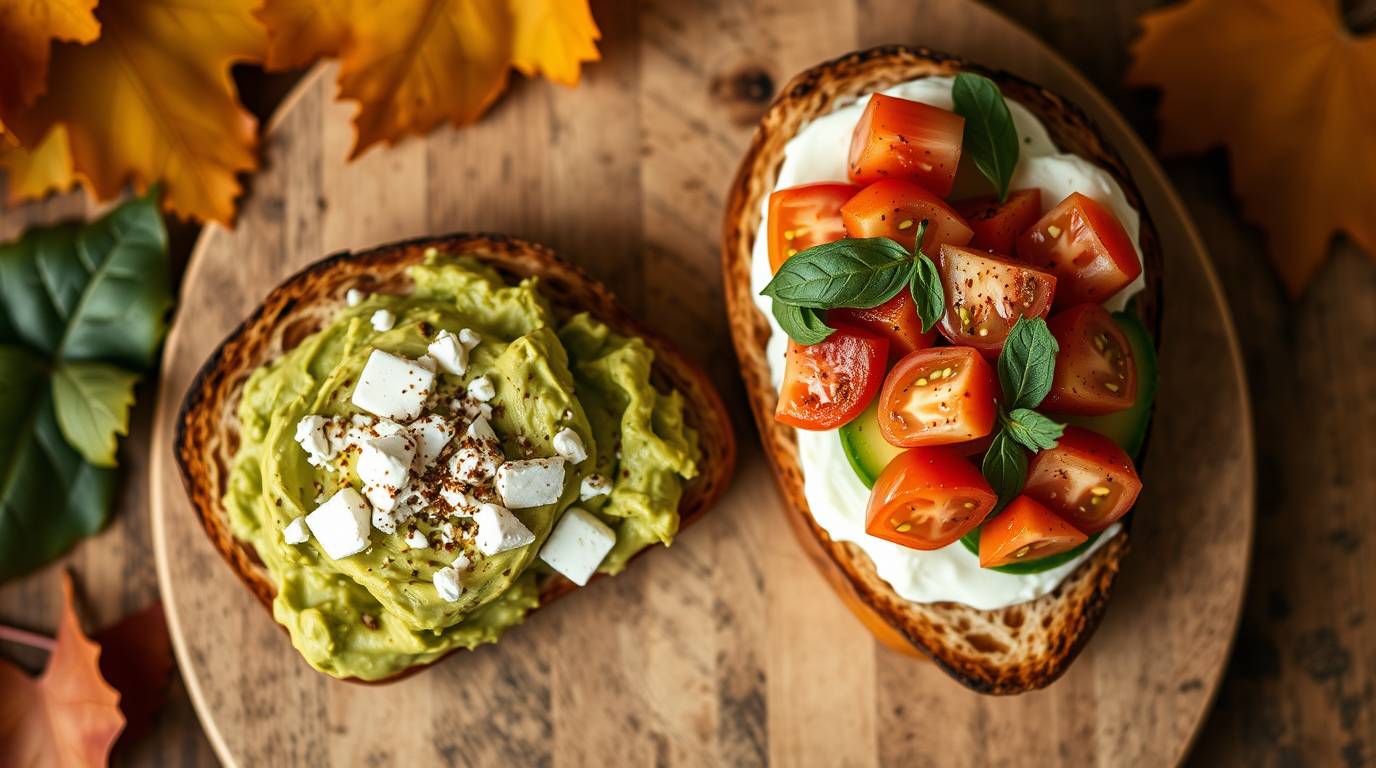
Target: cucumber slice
point(1128, 428)
point(865, 447)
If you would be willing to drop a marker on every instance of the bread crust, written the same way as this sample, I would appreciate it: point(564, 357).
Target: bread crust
point(1016, 649)
point(206, 432)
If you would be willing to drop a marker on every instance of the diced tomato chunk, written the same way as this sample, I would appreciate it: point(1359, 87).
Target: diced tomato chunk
point(1025, 531)
point(828, 384)
point(996, 225)
point(1095, 372)
point(1086, 247)
point(901, 139)
point(893, 208)
point(927, 498)
point(803, 216)
point(1086, 479)
point(938, 396)
point(895, 319)
point(986, 294)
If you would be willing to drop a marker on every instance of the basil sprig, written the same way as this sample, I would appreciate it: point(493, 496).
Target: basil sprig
point(1026, 367)
point(856, 273)
point(991, 139)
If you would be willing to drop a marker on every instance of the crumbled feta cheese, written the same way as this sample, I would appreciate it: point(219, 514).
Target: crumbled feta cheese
point(384, 466)
point(577, 545)
point(469, 338)
point(530, 482)
point(341, 524)
point(384, 320)
point(416, 540)
point(594, 486)
point(296, 532)
point(446, 579)
point(383, 521)
point(450, 353)
point(431, 434)
point(427, 362)
point(393, 387)
point(457, 501)
point(568, 444)
point(481, 389)
point(310, 433)
point(353, 297)
point(479, 455)
point(499, 530)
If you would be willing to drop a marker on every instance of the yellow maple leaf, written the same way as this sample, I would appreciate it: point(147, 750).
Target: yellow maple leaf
point(31, 174)
point(27, 30)
point(1288, 89)
point(412, 64)
point(553, 37)
point(152, 100)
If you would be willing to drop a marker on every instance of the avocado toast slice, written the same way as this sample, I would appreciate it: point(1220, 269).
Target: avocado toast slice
point(1015, 649)
point(208, 431)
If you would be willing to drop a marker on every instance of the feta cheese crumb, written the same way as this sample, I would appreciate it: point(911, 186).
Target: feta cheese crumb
point(353, 297)
point(446, 579)
point(479, 456)
point(569, 445)
point(296, 531)
point(310, 433)
point(341, 524)
point(384, 320)
point(481, 389)
point(384, 466)
point(469, 338)
point(530, 482)
point(593, 486)
point(499, 530)
point(578, 545)
point(431, 434)
point(393, 387)
point(416, 540)
point(450, 353)
point(427, 362)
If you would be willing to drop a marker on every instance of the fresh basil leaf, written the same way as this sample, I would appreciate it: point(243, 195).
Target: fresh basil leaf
point(1027, 363)
point(804, 325)
point(49, 497)
point(1005, 467)
point(92, 402)
point(991, 138)
point(1032, 430)
point(854, 272)
point(971, 542)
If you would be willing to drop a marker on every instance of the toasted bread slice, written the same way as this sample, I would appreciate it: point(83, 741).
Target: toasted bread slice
point(1012, 650)
point(207, 426)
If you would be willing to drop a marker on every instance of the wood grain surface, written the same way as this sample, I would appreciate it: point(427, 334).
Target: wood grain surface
point(1298, 689)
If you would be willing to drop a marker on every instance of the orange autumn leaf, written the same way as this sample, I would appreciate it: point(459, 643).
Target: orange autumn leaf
point(27, 31)
point(413, 64)
point(31, 174)
point(152, 100)
point(1288, 90)
point(66, 717)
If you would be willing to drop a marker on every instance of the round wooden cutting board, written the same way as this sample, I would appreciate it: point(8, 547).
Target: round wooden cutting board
point(727, 648)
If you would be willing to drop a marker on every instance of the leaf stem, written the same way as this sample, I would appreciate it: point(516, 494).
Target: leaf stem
point(27, 638)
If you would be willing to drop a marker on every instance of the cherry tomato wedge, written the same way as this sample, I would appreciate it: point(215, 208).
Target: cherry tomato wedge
point(803, 216)
point(938, 396)
point(1025, 531)
point(996, 225)
point(986, 294)
point(828, 384)
point(1086, 479)
point(927, 498)
point(893, 208)
point(901, 139)
point(1095, 372)
point(895, 319)
point(1085, 246)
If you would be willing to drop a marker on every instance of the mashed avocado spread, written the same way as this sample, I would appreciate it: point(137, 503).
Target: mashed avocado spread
point(448, 514)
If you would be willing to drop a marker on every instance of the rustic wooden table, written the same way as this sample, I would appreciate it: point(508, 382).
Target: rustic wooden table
point(1299, 688)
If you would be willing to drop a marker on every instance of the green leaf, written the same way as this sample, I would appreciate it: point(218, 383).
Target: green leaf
point(802, 324)
point(991, 138)
point(98, 291)
point(1032, 430)
point(1005, 467)
point(49, 497)
point(854, 272)
point(929, 298)
point(92, 401)
point(1027, 363)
